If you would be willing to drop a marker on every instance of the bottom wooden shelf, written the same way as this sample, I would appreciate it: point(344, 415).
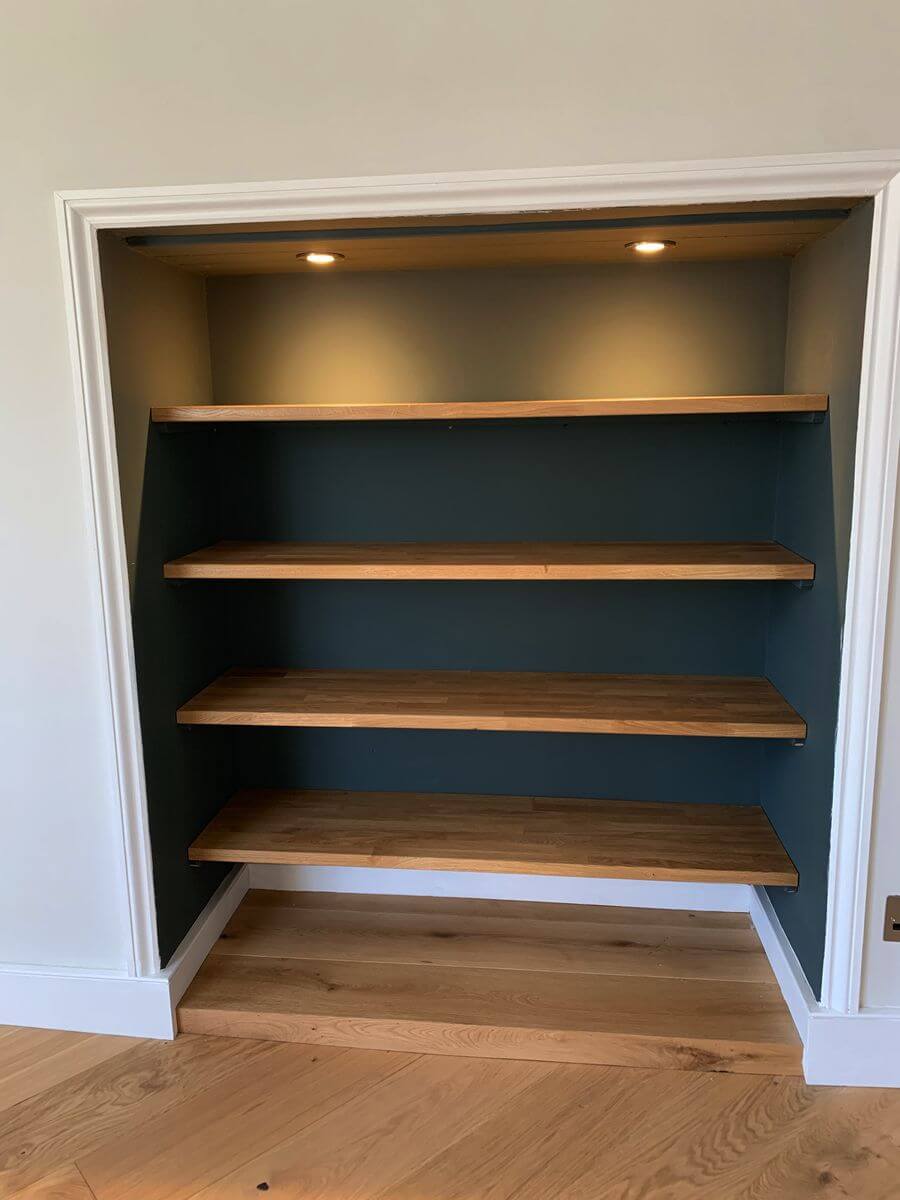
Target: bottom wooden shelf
point(618, 839)
point(497, 979)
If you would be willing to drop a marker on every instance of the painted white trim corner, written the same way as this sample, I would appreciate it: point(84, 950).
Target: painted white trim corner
point(90, 363)
point(798, 995)
point(860, 1049)
point(86, 1002)
point(113, 1002)
point(188, 958)
point(875, 482)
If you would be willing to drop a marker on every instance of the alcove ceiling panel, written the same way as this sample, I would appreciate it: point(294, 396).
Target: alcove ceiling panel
point(580, 237)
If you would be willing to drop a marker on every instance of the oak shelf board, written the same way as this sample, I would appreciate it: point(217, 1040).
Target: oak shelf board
point(600, 839)
point(493, 409)
point(587, 988)
point(492, 561)
point(556, 702)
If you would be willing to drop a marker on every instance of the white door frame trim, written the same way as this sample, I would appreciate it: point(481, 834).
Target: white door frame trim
point(82, 213)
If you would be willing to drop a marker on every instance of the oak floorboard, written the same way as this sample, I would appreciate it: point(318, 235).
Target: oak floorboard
point(32, 1060)
point(640, 943)
point(66, 1183)
point(192, 1145)
point(532, 910)
point(669, 1136)
point(688, 1023)
point(55, 1127)
point(562, 1133)
point(379, 1137)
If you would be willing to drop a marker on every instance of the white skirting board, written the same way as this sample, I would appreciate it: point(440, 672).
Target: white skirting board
point(859, 1049)
point(108, 1002)
point(486, 885)
point(99, 1002)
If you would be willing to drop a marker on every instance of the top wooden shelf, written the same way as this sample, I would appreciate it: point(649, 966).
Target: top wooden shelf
point(633, 406)
point(492, 560)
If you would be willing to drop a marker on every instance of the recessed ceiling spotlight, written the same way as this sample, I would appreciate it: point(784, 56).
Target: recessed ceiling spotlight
point(652, 247)
point(320, 258)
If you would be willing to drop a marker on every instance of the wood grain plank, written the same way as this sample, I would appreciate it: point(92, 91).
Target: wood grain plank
point(683, 705)
point(395, 1127)
point(682, 1023)
point(55, 1127)
point(689, 921)
point(66, 1183)
point(33, 1060)
point(615, 839)
point(195, 1143)
point(639, 944)
point(578, 1132)
point(492, 561)
point(494, 409)
point(669, 1136)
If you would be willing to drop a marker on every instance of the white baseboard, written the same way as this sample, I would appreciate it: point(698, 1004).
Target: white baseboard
point(798, 995)
point(853, 1049)
point(101, 1002)
point(839, 1049)
point(188, 958)
point(110, 1002)
point(483, 885)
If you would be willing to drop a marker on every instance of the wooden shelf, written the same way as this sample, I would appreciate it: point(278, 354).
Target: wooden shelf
point(531, 835)
point(494, 979)
point(691, 705)
point(631, 406)
point(486, 560)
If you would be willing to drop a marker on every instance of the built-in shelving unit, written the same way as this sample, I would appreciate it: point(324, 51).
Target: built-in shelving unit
point(630, 406)
point(513, 980)
point(493, 561)
point(560, 702)
point(601, 839)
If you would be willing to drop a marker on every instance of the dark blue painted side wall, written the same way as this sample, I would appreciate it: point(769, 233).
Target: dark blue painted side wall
point(180, 644)
point(826, 320)
point(803, 661)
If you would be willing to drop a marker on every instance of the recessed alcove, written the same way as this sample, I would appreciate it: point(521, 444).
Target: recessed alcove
point(555, 511)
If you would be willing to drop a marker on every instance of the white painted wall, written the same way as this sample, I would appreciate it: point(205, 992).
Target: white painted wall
point(96, 94)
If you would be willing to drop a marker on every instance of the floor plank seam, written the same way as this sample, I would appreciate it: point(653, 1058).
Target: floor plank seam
point(88, 1188)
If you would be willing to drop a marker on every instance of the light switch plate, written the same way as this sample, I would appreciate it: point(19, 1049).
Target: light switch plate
point(892, 919)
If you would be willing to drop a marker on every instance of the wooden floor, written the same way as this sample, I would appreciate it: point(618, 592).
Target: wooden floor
point(497, 979)
point(100, 1118)
point(536, 835)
